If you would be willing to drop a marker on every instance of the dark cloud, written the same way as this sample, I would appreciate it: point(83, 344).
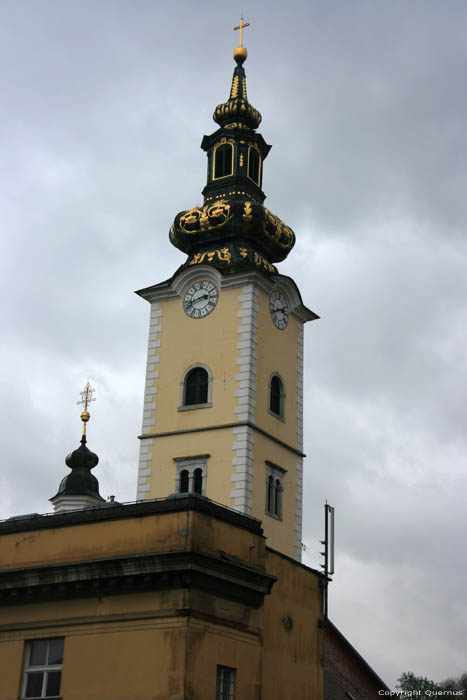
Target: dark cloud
point(104, 109)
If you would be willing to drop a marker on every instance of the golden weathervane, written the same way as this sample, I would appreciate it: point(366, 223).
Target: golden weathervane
point(86, 398)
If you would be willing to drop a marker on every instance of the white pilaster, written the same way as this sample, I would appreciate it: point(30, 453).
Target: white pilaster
point(150, 401)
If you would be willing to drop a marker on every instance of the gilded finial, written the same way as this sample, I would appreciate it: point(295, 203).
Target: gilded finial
point(240, 53)
point(86, 398)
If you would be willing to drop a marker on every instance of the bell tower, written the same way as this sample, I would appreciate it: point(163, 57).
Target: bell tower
point(223, 404)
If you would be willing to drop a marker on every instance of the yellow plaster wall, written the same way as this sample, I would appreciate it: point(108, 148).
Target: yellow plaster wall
point(11, 662)
point(138, 646)
point(212, 645)
point(216, 443)
point(277, 352)
point(280, 534)
point(185, 341)
point(213, 342)
point(153, 533)
point(292, 658)
point(94, 540)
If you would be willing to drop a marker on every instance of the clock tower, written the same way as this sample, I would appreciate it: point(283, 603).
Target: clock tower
point(223, 404)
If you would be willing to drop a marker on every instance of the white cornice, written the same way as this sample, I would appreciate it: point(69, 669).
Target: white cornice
point(174, 287)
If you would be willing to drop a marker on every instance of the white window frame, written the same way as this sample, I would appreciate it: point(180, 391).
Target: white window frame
point(44, 668)
point(191, 464)
point(231, 673)
point(278, 474)
point(181, 396)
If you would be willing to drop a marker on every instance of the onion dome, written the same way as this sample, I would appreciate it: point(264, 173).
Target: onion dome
point(80, 482)
point(237, 112)
point(233, 230)
point(80, 488)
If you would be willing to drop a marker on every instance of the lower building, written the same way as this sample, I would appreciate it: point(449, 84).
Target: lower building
point(162, 600)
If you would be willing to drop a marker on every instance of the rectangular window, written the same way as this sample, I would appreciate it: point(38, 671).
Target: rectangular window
point(225, 683)
point(43, 668)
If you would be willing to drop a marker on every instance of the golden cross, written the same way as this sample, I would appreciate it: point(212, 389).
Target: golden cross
point(86, 396)
point(241, 26)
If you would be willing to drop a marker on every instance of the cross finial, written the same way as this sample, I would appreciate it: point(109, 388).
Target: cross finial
point(86, 398)
point(241, 26)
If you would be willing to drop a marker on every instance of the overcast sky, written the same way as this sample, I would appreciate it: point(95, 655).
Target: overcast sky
point(104, 105)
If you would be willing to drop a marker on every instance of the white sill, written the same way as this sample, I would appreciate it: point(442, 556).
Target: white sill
point(195, 406)
point(271, 413)
point(273, 515)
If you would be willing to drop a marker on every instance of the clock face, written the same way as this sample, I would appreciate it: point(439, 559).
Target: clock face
point(200, 299)
point(279, 309)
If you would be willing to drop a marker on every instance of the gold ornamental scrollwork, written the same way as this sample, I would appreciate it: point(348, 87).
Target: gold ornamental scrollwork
point(208, 218)
point(262, 262)
point(224, 255)
point(276, 229)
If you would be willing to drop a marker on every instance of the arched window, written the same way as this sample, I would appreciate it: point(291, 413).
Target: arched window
point(183, 483)
point(196, 387)
point(198, 481)
point(278, 498)
point(270, 499)
point(276, 396)
point(254, 161)
point(191, 474)
point(275, 476)
point(223, 161)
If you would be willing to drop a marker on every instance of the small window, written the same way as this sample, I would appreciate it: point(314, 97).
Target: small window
point(198, 480)
point(223, 161)
point(253, 164)
point(43, 668)
point(270, 500)
point(191, 474)
point(274, 489)
point(196, 387)
point(225, 683)
point(276, 396)
point(184, 482)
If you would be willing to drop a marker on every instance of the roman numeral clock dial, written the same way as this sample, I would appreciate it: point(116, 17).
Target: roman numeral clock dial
point(200, 299)
point(279, 310)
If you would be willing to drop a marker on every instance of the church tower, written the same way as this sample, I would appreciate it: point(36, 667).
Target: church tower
point(224, 383)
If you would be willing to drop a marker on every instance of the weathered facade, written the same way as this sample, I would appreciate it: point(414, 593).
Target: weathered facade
point(152, 598)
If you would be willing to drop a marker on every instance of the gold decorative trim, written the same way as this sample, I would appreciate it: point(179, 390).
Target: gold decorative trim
point(234, 90)
point(223, 142)
point(209, 218)
point(224, 255)
point(247, 215)
point(276, 229)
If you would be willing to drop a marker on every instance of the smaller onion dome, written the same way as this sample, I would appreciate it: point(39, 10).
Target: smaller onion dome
point(80, 481)
point(237, 112)
point(79, 488)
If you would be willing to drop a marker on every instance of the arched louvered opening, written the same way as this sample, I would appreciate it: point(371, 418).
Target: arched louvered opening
point(198, 481)
point(253, 165)
point(196, 387)
point(276, 397)
point(184, 481)
point(223, 161)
